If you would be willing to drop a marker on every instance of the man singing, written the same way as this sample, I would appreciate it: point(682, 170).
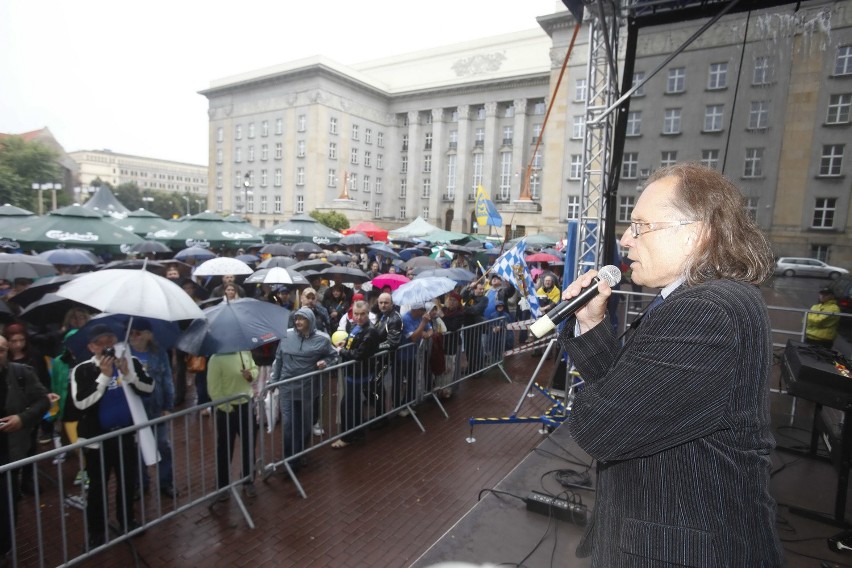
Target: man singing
point(678, 417)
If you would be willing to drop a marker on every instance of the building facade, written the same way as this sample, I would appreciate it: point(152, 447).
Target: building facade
point(148, 173)
point(764, 98)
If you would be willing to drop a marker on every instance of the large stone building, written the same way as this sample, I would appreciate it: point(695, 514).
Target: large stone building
point(148, 173)
point(765, 97)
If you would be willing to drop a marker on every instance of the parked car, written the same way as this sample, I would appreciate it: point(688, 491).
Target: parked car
point(842, 290)
point(793, 266)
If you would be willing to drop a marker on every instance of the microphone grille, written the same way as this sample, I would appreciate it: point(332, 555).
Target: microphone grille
point(610, 274)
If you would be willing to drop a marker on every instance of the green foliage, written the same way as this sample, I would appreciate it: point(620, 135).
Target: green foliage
point(331, 219)
point(22, 164)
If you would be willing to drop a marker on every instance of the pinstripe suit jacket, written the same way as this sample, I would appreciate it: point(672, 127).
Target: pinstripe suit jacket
point(678, 419)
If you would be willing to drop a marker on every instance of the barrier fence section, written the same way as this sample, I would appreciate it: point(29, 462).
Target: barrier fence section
point(73, 514)
point(341, 402)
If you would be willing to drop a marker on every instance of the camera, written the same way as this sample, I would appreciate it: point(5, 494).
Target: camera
point(108, 352)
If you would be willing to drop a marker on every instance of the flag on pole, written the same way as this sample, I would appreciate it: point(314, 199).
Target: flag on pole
point(512, 268)
point(486, 211)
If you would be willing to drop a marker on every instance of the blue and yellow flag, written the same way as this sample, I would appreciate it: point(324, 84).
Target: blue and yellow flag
point(486, 211)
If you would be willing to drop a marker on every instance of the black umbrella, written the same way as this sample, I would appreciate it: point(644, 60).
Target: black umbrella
point(14, 266)
point(240, 325)
point(149, 247)
point(281, 261)
point(462, 249)
point(277, 249)
point(402, 241)
point(339, 257)
point(383, 250)
point(305, 247)
point(154, 266)
point(40, 287)
point(420, 261)
point(315, 264)
point(345, 274)
point(50, 308)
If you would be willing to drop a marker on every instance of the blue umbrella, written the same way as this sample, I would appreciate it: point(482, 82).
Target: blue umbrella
point(383, 250)
point(197, 253)
point(422, 290)
point(282, 261)
point(229, 327)
point(409, 253)
point(459, 275)
point(165, 332)
point(72, 256)
point(250, 258)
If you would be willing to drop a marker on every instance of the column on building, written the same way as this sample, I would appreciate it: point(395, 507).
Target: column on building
point(438, 152)
point(520, 157)
point(415, 173)
point(463, 174)
point(493, 140)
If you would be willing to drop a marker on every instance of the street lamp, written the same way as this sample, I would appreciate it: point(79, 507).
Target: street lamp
point(188, 212)
point(246, 193)
point(199, 202)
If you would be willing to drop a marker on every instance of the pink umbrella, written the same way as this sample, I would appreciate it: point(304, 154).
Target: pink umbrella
point(392, 280)
point(541, 257)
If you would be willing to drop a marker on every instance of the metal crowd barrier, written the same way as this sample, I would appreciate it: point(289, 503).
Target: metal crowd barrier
point(52, 528)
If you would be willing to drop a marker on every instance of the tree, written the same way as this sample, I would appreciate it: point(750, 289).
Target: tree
point(331, 219)
point(22, 164)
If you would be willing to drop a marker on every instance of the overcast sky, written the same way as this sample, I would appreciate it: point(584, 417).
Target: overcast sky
point(125, 76)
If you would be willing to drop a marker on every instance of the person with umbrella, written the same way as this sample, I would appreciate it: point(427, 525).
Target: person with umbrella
point(160, 402)
point(231, 374)
point(359, 346)
point(416, 325)
point(475, 304)
point(302, 350)
point(97, 388)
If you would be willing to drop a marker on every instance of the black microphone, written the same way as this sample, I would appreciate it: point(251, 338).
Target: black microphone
point(566, 308)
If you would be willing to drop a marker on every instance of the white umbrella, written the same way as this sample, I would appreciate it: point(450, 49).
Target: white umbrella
point(220, 266)
point(422, 290)
point(132, 292)
point(277, 275)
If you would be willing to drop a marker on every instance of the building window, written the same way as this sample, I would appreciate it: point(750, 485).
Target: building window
point(477, 169)
point(536, 132)
point(380, 161)
point(278, 177)
point(638, 77)
point(505, 175)
point(751, 207)
point(573, 211)
point(263, 203)
point(539, 108)
point(402, 211)
point(508, 133)
point(238, 155)
point(250, 204)
point(480, 113)
point(251, 130)
point(353, 156)
point(238, 178)
point(332, 151)
point(352, 182)
point(355, 132)
point(264, 152)
point(380, 139)
point(824, 209)
point(718, 76)
point(277, 204)
point(451, 175)
point(838, 109)
point(238, 132)
point(428, 143)
point(427, 188)
point(671, 122)
point(332, 178)
point(251, 153)
point(218, 204)
point(762, 71)
point(403, 165)
point(403, 188)
point(264, 178)
point(300, 176)
point(365, 185)
point(676, 82)
point(713, 117)
point(578, 129)
point(634, 123)
point(405, 142)
point(710, 158)
point(302, 123)
point(626, 203)
point(279, 126)
point(368, 135)
point(576, 171)
point(332, 125)
point(377, 209)
point(300, 204)
point(378, 186)
point(479, 137)
point(580, 89)
point(831, 161)
point(753, 163)
point(220, 134)
point(219, 181)
point(264, 128)
point(668, 158)
point(630, 165)
point(300, 149)
point(427, 163)
point(843, 62)
point(454, 139)
point(535, 176)
point(424, 211)
point(367, 159)
point(219, 156)
point(758, 115)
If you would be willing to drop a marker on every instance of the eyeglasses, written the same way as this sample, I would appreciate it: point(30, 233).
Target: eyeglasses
point(636, 229)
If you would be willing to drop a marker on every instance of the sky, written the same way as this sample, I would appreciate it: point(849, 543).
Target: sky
point(125, 77)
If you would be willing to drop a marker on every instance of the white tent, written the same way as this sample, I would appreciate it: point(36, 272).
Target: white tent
point(417, 228)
